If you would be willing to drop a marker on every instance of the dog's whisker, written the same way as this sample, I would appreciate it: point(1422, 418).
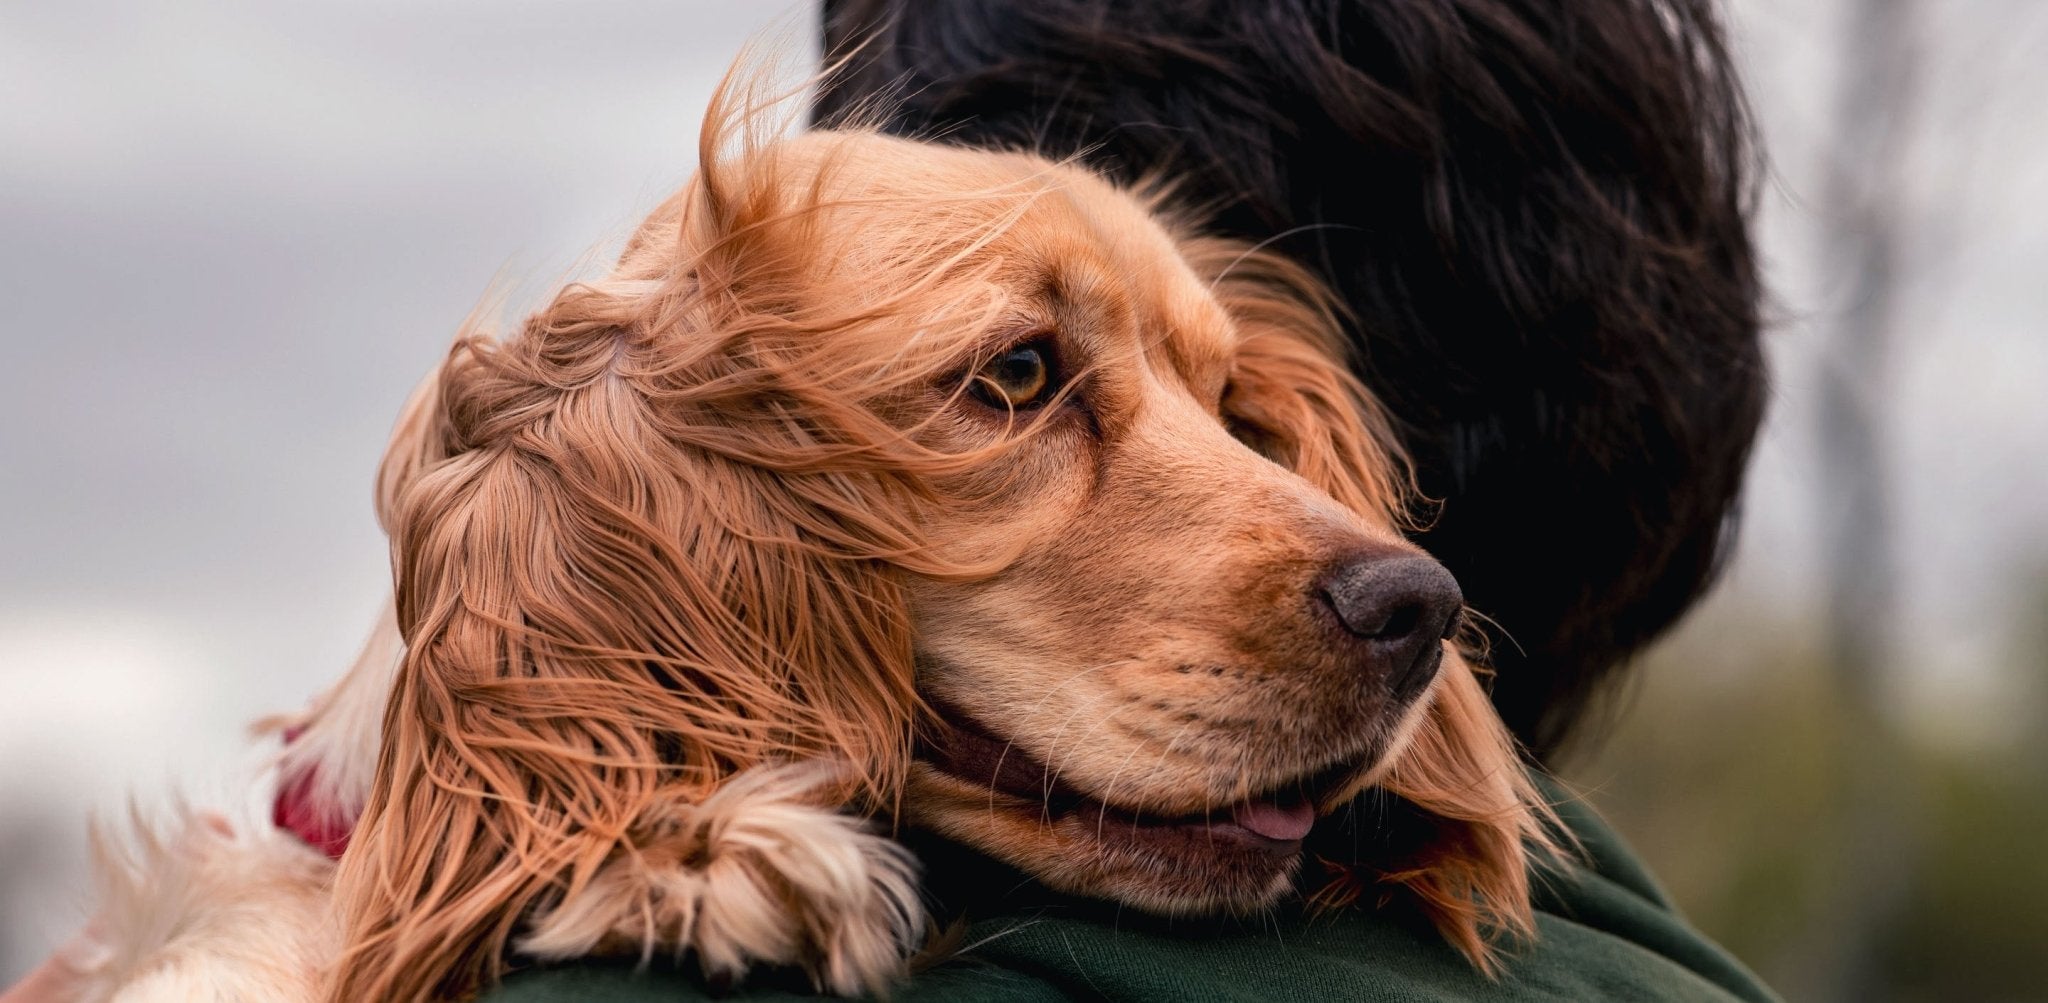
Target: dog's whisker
point(1056, 755)
point(1077, 677)
point(1268, 242)
point(1053, 744)
point(1010, 744)
point(1109, 789)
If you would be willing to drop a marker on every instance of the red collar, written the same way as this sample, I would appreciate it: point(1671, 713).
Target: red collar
point(296, 812)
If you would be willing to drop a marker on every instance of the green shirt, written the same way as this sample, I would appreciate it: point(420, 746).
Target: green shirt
point(1605, 931)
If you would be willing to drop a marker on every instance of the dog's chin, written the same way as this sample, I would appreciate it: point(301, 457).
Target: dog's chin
point(978, 790)
point(1166, 866)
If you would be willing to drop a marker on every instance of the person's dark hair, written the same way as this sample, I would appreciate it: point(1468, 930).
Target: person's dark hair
point(1537, 210)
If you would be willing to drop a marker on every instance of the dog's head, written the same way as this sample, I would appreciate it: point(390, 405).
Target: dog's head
point(1192, 647)
point(1206, 630)
point(865, 441)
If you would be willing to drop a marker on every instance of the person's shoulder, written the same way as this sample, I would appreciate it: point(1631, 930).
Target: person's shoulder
point(1601, 899)
point(598, 981)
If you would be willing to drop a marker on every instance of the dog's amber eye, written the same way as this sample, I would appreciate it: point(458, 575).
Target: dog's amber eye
point(1020, 377)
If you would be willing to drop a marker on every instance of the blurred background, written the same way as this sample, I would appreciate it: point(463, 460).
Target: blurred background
point(234, 234)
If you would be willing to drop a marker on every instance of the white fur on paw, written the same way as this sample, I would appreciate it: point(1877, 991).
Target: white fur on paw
point(756, 873)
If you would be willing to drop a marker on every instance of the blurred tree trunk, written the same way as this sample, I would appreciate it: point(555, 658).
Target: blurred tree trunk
point(1871, 879)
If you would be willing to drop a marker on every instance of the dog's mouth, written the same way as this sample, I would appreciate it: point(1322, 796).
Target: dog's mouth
point(1270, 823)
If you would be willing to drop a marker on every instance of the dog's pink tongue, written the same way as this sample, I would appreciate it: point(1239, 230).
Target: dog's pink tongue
point(1275, 821)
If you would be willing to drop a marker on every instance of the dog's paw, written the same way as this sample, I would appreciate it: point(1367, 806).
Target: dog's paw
point(757, 873)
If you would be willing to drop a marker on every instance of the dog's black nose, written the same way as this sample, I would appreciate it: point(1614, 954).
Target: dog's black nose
point(1401, 608)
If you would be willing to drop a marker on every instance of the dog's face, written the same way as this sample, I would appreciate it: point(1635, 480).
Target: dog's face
point(1189, 651)
point(1068, 537)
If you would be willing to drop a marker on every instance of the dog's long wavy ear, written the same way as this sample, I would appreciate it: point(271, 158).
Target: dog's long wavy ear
point(1471, 823)
point(330, 754)
point(654, 638)
point(1292, 397)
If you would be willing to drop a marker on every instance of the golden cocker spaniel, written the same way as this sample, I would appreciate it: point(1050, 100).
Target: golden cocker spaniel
point(879, 484)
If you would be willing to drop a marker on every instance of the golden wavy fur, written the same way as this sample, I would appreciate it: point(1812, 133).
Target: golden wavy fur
point(689, 564)
point(732, 505)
